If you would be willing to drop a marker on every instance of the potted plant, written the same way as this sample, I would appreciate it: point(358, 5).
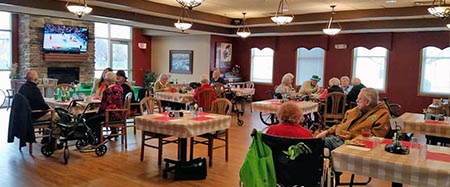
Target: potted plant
point(14, 74)
point(149, 78)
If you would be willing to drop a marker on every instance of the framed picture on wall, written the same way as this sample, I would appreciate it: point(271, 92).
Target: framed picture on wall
point(181, 61)
point(223, 55)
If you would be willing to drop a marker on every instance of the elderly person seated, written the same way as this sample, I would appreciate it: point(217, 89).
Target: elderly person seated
point(357, 86)
point(127, 88)
point(112, 98)
point(345, 84)
point(286, 85)
point(310, 87)
point(204, 80)
point(369, 114)
point(162, 84)
point(99, 84)
point(291, 117)
point(334, 87)
point(216, 78)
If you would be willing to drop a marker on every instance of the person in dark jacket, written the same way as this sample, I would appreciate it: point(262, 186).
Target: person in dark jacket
point(216, 78)
point(127, 88)
point(35, 98)
point(357, 86)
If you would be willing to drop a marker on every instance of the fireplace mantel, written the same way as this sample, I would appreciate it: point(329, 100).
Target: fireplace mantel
point(63, 57)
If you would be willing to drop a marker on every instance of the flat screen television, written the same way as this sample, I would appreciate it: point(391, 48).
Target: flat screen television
point(62, 38)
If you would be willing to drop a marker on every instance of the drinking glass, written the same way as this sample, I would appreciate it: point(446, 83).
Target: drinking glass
point(200, 109)
point(415, 148)
point(366, 132)
point(167, 109)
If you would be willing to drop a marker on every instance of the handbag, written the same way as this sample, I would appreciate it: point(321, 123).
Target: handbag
point(191, 170)
point(258, 168)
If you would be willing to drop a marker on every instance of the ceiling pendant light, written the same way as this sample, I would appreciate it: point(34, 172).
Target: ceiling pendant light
point(280, 17)
point(79, 9)
point(182, 23)
point(439, 9)
point(329, 30)
point(243, 31)
point(190, 3)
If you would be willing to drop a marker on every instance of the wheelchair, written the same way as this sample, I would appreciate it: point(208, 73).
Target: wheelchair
point(70, 128)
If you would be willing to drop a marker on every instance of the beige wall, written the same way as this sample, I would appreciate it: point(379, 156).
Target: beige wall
point(200, 45)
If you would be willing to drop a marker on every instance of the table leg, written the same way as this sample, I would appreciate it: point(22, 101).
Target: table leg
point(182, 149)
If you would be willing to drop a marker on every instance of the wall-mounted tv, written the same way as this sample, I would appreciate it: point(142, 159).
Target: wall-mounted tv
point(62, 38)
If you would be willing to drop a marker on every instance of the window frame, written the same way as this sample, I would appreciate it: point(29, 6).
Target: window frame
point(10, 42)
point(320, 83)
point(386, 65)
point(421, 69)
point(251, 65)
point(112, 41)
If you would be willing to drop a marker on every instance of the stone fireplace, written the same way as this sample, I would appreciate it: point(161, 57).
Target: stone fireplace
point(64, 74)
point(64, 67)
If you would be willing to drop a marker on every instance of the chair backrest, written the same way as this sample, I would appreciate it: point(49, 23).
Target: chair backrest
point(127, 103)
point(394, 108)
point(205, 99)
point(249, 84)
point(218, 87)
point(304, 170)
point(335, 106)
point(150, 104)
point(65, 88)
point(221, 106)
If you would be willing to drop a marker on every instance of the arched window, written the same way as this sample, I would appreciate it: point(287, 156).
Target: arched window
point(435, 74)
point(370, 65)
point(5, 49)
point(309, 62)
point(262, 65)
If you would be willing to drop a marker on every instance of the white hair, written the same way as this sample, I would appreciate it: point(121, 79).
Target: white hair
point(334, 81)
point(286, 78)
point(372, 95)
point(110, 77)
point(356, 81)
point(204, 79)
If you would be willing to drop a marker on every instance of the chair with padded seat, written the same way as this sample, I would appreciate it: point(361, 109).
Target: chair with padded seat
point(120, 125)
point(219, 106)
point(150, 105)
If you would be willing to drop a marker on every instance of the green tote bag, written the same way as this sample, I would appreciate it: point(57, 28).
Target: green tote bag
point(257, 169)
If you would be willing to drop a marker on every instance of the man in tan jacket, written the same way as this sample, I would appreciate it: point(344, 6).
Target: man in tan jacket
point(369, 114)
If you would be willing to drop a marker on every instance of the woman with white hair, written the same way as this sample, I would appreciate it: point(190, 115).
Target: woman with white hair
point(286, 84)
point(357, 86)
point(162, 84)
point(204, 80)
point(216, 78)
point(345, 84)
point(334, 87)
point(111, 99)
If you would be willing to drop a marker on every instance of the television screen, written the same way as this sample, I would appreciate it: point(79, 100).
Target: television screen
point(62, 38)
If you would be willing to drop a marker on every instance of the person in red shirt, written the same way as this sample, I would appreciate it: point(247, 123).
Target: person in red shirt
point(204, 80)
point(290, 116)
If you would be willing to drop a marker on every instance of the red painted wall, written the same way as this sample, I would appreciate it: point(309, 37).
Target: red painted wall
point(141, 57)
point(403, 63)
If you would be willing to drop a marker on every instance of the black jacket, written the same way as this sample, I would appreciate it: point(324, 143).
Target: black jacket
point(20, 124)
point(354, 92)
point(34, 97)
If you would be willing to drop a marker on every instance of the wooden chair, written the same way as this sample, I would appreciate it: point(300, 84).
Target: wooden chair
point(219, 106)
point(148, 106)
point(334, 108)
point(204, 99)
point(249, 84)
point(120, 125)
point(65, 88)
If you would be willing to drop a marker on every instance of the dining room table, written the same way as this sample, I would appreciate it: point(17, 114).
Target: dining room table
point(268, 108)
point(416, 123)
point(425, 165)
point(183, 127)
point(175, 97)
point(76, 109)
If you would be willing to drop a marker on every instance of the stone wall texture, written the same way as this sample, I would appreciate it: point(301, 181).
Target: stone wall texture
point(31, 53)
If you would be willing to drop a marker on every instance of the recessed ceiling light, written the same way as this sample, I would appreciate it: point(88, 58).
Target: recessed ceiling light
point(391, 1)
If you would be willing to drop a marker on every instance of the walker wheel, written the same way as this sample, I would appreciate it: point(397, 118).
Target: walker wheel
point(80, 144)
point(66, 155)
point(240, 122)
point(47, 150)
point(101, 150)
